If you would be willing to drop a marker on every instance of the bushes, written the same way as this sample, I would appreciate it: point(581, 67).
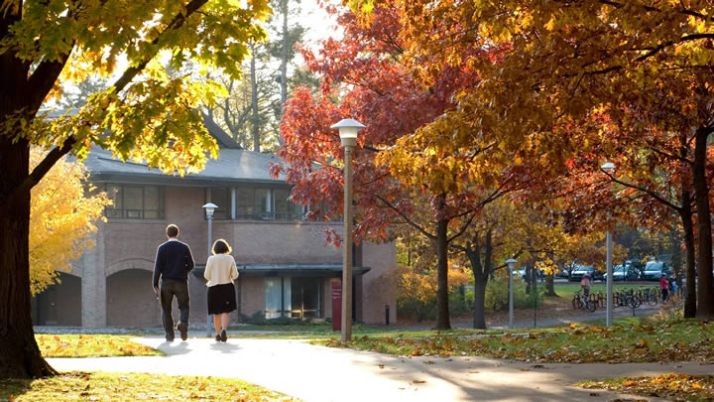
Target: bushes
point(461, 300)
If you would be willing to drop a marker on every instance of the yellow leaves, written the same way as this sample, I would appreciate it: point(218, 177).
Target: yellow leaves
point(550, 25)
point(63, 215)
point(91, 346)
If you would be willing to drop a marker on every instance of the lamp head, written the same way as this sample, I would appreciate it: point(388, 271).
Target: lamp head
point(511, 263)
point(608, 167)
point(348, 129)
point(210, 208)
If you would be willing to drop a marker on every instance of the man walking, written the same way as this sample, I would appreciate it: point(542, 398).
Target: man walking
point(173, 263)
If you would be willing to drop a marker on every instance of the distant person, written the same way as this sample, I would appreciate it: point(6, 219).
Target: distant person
point(585, 285)
point(664, 287)
point(173, 263)
point(673, 287)
point(220, 273)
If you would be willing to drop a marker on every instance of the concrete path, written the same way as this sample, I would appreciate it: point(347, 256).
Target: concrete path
point(317, 373)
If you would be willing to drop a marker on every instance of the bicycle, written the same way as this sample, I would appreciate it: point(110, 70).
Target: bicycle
point(583, 302)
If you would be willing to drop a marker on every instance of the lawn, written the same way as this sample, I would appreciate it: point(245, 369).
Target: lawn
point(73, 345)
point(678, 387)
point(630, 340)
point(133, 387)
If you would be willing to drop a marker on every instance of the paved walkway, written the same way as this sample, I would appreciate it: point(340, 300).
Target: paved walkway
point(317, 373)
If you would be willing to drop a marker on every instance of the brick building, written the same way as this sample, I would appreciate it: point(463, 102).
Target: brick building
point(285, 265)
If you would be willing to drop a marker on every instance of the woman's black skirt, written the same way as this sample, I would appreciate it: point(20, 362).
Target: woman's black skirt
point(221, 298)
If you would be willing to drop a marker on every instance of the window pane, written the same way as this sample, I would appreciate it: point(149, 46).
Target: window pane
point(114, 193)
point(281, 204)
point(221, 196)
point(262, 206)
point(306, 298)
point(244, 203)
point(151, 198)
point(133, 202)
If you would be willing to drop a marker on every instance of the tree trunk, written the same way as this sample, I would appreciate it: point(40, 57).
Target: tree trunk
point(480, 273)
point(705, 292)
point(442, 291)
point(685, 213)
point(284, 56)
point(480, 302)
point(19, 354)
point(255, 118)
point(550, 286)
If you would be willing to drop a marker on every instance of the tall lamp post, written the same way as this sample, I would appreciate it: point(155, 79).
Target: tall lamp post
point(511, 262)
point(609, 168)
point(210, 208)
point(348, 129)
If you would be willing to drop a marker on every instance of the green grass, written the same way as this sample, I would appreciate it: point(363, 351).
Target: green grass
point(567, 290)
point(316, 331)
point(630, 340)
point(132, 387)
point(72, 345)
point(679, 387)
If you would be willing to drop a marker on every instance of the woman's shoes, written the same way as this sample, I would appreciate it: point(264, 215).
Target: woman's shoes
point(223, 336)
point(218, 338)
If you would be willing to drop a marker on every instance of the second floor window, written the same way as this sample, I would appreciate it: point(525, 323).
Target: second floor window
point(285, 209)
point(135, 202)
point(253, 203)
point(221, 196)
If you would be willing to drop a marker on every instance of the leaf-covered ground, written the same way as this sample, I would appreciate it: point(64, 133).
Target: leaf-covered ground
point(633, 340)
point(677, 387)
point(133, 387)
point(71, 345)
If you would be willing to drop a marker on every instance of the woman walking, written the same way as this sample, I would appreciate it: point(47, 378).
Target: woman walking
point(220, 273)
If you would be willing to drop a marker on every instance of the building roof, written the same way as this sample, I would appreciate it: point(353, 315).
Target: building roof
point(233, 165)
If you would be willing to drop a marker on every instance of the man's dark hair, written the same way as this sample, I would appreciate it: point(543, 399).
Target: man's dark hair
point(172, 230)
point(220, 246)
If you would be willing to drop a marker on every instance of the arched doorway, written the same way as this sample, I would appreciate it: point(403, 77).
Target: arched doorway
point(59, 304)
point(131, 303)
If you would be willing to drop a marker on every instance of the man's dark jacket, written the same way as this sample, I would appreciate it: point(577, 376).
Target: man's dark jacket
point(173, 261)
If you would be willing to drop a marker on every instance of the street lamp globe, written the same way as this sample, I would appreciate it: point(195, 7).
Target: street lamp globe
point(511, 263)
point(348, 129)
point(210, 208)
point(608, 167)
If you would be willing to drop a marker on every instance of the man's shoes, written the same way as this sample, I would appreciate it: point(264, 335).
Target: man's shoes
point(224, 337)
point(169, 338)
point(183, 328)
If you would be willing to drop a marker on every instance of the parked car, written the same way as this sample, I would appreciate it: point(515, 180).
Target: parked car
point(624, 272)
point(654, 270)
point(519, 273)
point(580, 270)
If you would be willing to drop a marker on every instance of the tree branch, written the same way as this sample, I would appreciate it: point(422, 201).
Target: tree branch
point(38, 172)
point(659, 198)
point(407, 220)
point(177, 22)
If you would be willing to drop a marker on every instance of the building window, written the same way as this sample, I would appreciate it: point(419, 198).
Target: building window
point(135, 202)
point(253, 203)
point(286, 210)
point(297, 298)
point(220, 196)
